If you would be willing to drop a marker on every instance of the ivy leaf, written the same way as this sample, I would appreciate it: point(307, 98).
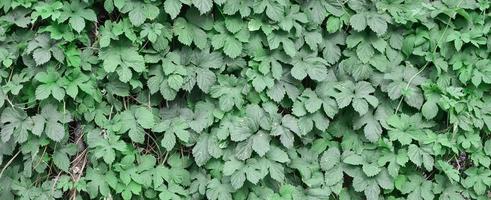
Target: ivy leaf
point(285, 130)
point(41, 56)
point(129, 123)
point(358, 94)
point(76, 13)
point(377, 23)
point(188, 33)
point(371, 185)
point(371, 126)
point(481, 72)
point(277, 38)
point(429, 110)
point(331, 51)
point(406, 128)
point(232, 47)
point(416, 187)
point(273, 9)
point(18, 16)
point(405, 81)
point(98, 180)
point(144, 117)
point(15, 122)
point(309, 64)
point(260, 81)
point(228, 91)
point(172, 7)
point(452, 173)
point(477, 178)
point(235, 99)
point(120, 58)
point(395, 160)
point(43, 48)
point(51, 122)
point(358, 21)
point(138, 12)
point(50, 85)
point(203, 116)
point(105, 147)
point(292, 19)
point(206, 147)
point(310, 102)
point(60, 157)
point(329, 160)
point(420, 157)
point(217, 190)
point(203, 5)
point(365, 51)
point(173, 128)
point(260, 143)
point(78, 80)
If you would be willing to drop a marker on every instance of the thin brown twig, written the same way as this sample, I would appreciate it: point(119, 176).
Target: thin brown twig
point(41, 158)
point(79, 173)
point(54, 183)
point(8, 163)
point(78, 156)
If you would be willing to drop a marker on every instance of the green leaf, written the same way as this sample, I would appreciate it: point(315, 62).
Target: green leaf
point(173, 128)
point(359, 95)
point(172, 7)
point(99, 180)
point(144, 117)
point(232, 47)
point(429, 110)
point(405, 81)
point(169, 141)
point(365, 52)
point(406, 128)
point(353, 159)
point(450, 172)
point(203, 5)
point(41, 56)
point(206, 147)
point(333, 24)
point(51, 81)
point(477, 178)
point(121, 58)
point(61, 159)
point(105, 148)
point(76, 13)
point(416, 187)
point(371, 127)
point(420, 157)
point(309, 64)
point(203, 116)
point(141, 12)
point(358, 21)
point(218, 191)
point(260, 143)
point(188, 33)
point(377, 23)
point(128, 122)
point(15, 123)
point(52, 122)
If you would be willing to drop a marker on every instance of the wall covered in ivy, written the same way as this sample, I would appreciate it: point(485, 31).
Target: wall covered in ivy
point(245, 99)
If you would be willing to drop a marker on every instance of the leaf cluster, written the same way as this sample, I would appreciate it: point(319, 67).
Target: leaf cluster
point(245, 99)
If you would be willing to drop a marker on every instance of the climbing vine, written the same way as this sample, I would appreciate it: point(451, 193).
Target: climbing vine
point(245, 99)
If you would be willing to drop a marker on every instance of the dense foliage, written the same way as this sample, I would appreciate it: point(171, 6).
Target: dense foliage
point(245, 99)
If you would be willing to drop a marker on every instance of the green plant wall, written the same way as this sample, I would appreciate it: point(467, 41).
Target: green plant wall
point(245, 99)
